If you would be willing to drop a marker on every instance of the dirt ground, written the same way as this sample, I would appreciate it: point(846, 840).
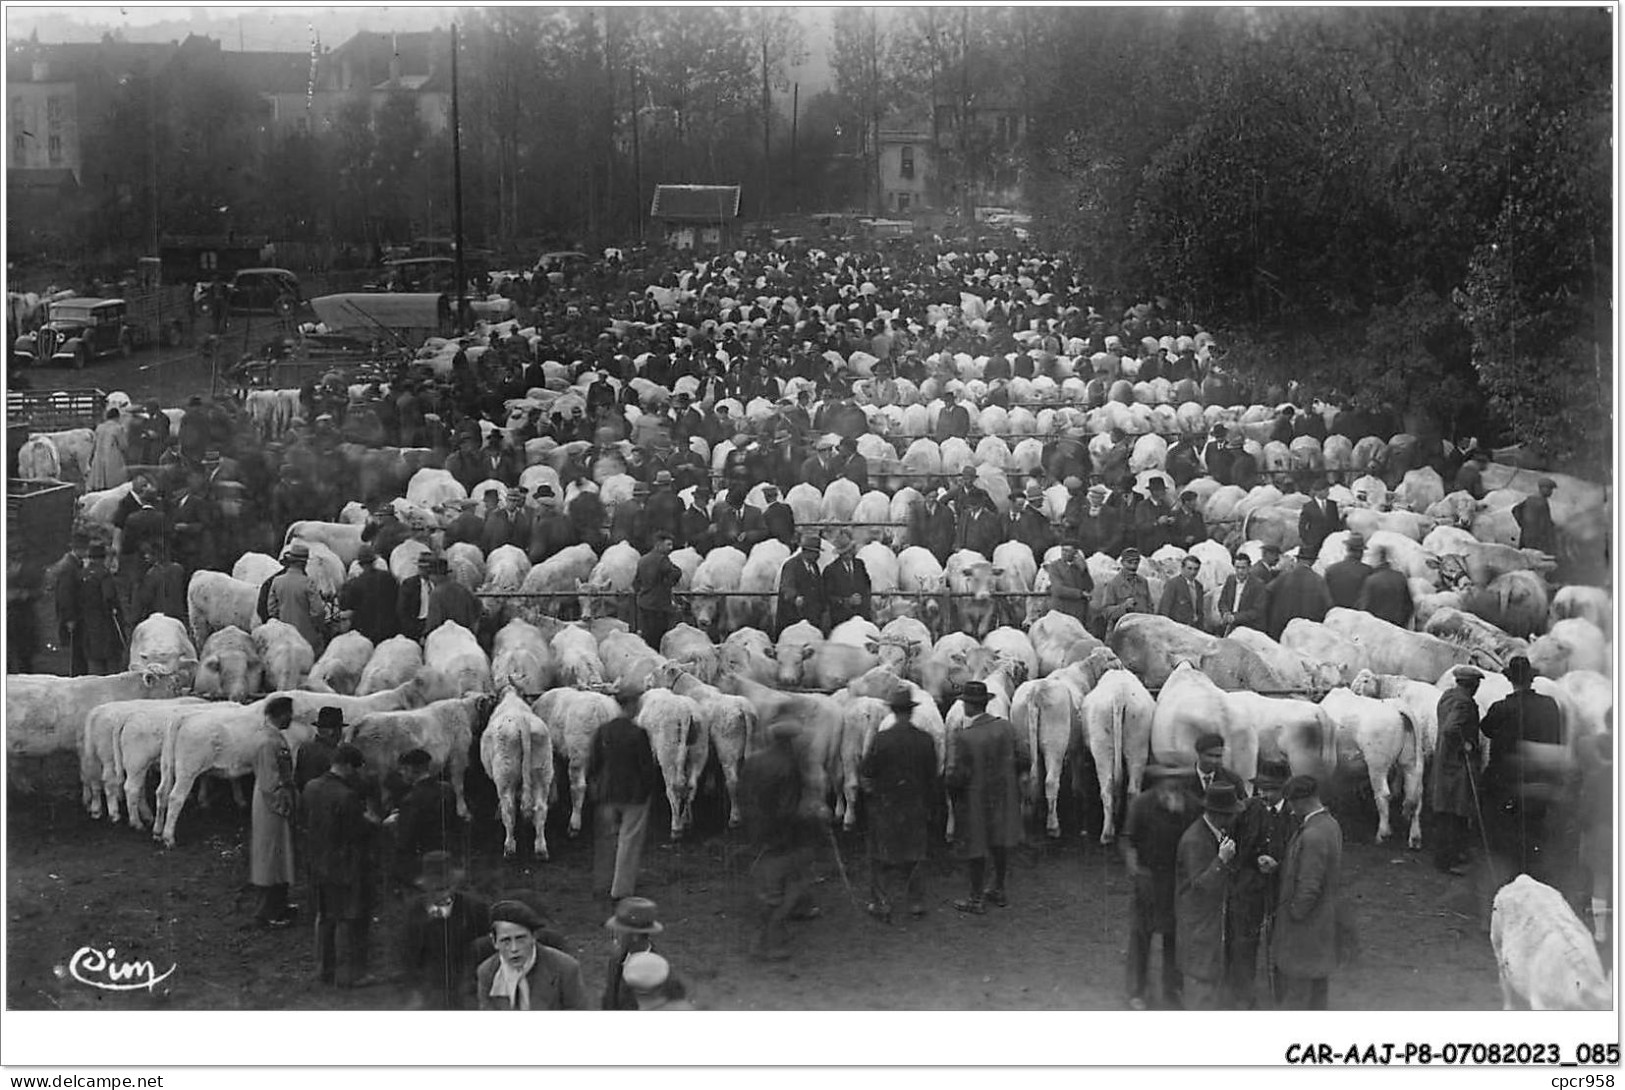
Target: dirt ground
point(72, 882)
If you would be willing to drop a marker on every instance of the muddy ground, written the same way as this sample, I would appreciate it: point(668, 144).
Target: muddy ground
point(72, 882)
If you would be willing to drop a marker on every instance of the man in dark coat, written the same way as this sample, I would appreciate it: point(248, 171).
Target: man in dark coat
point(464, 463)
point(1243, 466)
point(499, 528)
point(1187, 529)
point(65, 602)
point(498, 462)
point(989, 757)
point(1070, 584)
point(652, 585)
point(1318, 519)
point(1157, 817)
point(449, 600)
point(1455, 760)
point(1347, 577)
point(100, 627)
point(1182, 595)
point(979, 529)
point(425, 817)
point(369, 598)
point(338, 852)
point(1470, 477)
point(163, 588)
point(1203, 866)
point(1524, 776)
point(443, 922)
point(954, 420)
point(1026, 522)
point(933, 526)
point(820, 469)
point(777, 517)
point(315, 757)
point(786, 822)
point(1261, 831)
point(275, 807)
point(467, 528)
point(801, 586)
point(622, 778)
point(384, 531)
point(1298, 592)
point(846, 582)
point(1386, 593)
point(1183, 462)
point(1128, 592)
point(663, 510)
point(695, 528)
point(1211, 769)
point(1536, 529)
point(412, 603)
point(899, 780)
point(195, 519)
point(852, 465)
point(1219, 455)
point(1304, 944)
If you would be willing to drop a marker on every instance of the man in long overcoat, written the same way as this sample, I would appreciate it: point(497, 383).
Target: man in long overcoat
point(1262, 832)
point(1202, 871)
point(989, 757)
point(1298, 592)
point(1157, 818)
point(338, 850)
point(1070, 584)
point(1304, 946)
point(899, 779)
point(295, 600)
point(932, 526)
point(1454, 761)
point(270, 845)
point(100, 628)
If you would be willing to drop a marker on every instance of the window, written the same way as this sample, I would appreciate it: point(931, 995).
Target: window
point(902, 202)
point(53, 110)
point(908, 161)
point(55, 148)
point(19, 144)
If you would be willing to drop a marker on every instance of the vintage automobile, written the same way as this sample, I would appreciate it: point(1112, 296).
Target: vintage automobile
point(75, 332)
point(257, 291)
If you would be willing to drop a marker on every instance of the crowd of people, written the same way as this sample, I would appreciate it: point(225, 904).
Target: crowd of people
point(1219, 871)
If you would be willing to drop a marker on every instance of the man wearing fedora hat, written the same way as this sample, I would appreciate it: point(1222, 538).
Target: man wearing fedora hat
point(339, 854)
point(1346, 577)
point(443, 922)
point(1157, 818)
point(1304, 942)
point(801, 586)
point(525, 974)
point(899, 779)
point(412, 603)
point(316, 756)
point(988, 758)
point(1525, 779)
point(294, 599)
point(1203, 866)
point(1261, 832)
point(632, 929)
point(846, 581)
point(449, 600)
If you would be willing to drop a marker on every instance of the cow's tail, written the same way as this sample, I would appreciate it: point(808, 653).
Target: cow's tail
point(1118, 776)
point(524, 772)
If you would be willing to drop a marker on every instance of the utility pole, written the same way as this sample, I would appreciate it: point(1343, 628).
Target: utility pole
point(637, 156)
point(795, 118)
point(457, 184)
point(767, 126)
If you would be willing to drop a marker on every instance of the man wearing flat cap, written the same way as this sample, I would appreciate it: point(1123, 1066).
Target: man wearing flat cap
point(1525, 776)
point(523, 974)
point(801, 586)
point(339, 854)
point(1128, 592)
point(270, 845)
point(986, 761)
point(1203, 868)
point(1304, 946)
point(1261, 831)
point(899, 779)
point(1455, 763)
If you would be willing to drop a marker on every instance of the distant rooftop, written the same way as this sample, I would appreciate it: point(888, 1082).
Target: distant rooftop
point(697, 203)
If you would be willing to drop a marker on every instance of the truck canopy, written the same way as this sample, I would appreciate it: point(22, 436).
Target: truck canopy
point(367, 313)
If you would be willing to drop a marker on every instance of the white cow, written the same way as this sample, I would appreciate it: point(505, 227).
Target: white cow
point(343, 662)
point(1117, 716)
point(1546, 959)
point(1381, 736)
point(160, 645)
point(453, 650)
point(394, 662)
point(285, 655)
point(516, 751)
point(682, 746)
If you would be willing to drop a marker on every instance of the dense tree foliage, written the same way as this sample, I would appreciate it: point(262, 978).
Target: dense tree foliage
point(1415, 201)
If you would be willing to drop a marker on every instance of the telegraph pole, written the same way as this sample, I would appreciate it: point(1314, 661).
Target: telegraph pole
point(637, 158)
point(795, 117)
point(457, 185)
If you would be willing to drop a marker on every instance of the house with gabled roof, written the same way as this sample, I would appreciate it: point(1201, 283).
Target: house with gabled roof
point(689, 217)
